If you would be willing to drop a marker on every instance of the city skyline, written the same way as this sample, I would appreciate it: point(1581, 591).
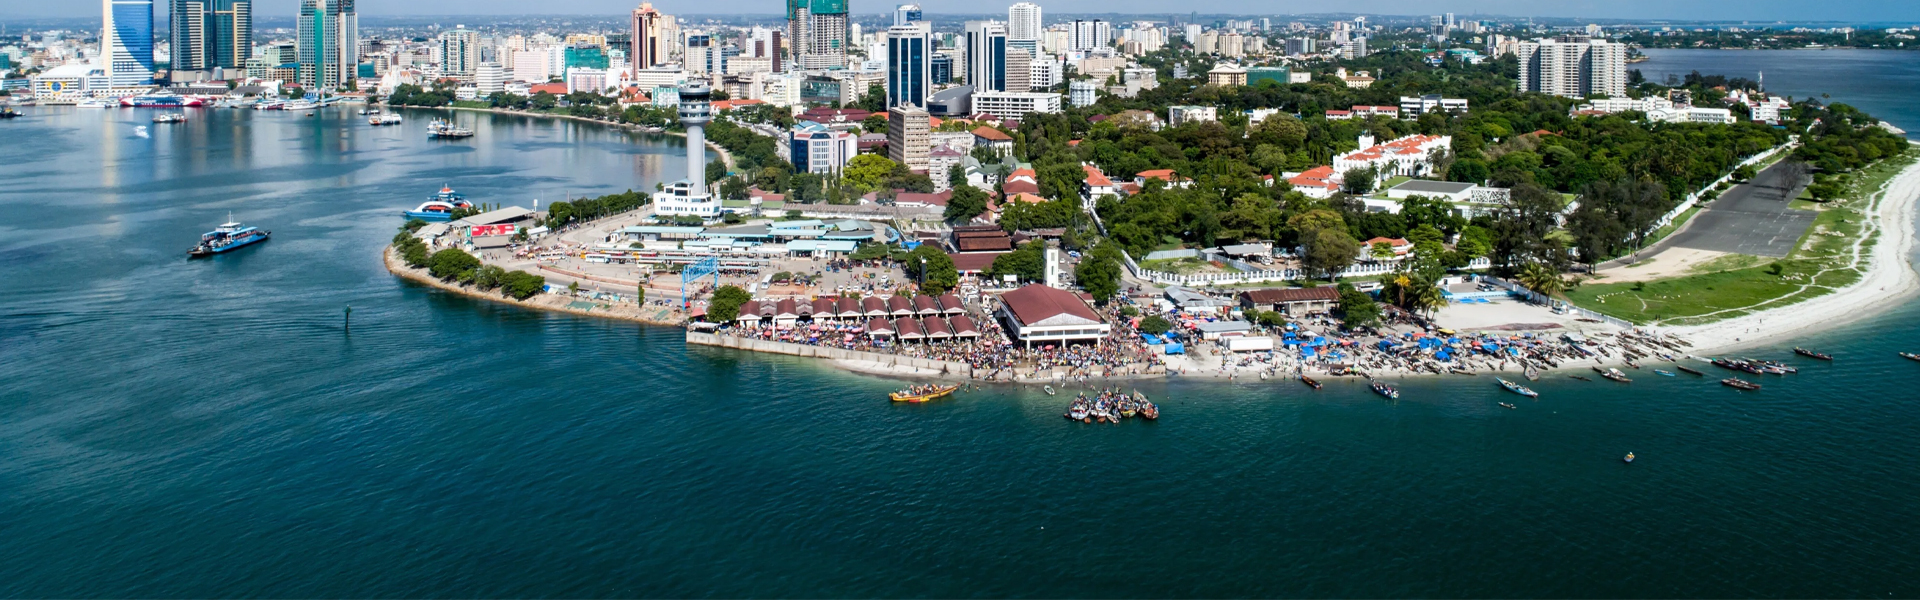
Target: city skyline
point(1640, 10)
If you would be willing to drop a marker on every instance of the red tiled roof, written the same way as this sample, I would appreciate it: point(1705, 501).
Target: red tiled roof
point(990, 134)
point(1036, 303)
point(1095, 178)
point(983, 244)
point(939, 199)
point(923, 304)
point(907, 328)
point(879, 326)
point(557, 89)
point(899, 305)
point(951, 303)
point(1160, 174)
point(936, 327)
point(963, 325)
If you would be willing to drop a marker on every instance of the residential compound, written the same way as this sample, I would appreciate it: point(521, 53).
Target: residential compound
point(1573, 67)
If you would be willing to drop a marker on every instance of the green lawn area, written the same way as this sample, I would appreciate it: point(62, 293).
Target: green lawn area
point(471, 104)
point(1735, 285)
point(1389, 183)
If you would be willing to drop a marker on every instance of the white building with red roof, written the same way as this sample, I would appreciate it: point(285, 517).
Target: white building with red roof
point(1317, 182)
point(1044, 315)
point(1094, 186)
point(1406, 156)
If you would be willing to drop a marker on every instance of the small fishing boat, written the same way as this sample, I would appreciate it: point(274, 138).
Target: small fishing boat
point(1581, 377)
point(1385, 390)
point(1518, 389)
point(923, 393)
point(1811, 354)
point(1628, 459)
point(1616, 375)
point(1533, 374)
point(1462, 371)
point(1663, 372)
point(1507, 405)
point(1309, 381)
point(1910, 356)
point(1689, 370)
point(1148, 410)
point(445, 130)
point(170, 118)
point(1739, 384)
point(7, 112)
point(1048, 389)
point(1078, 412)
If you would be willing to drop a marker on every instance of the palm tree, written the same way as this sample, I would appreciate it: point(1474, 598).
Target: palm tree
point(1542, 279)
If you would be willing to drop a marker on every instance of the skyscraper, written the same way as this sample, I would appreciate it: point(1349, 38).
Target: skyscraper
point(909, 137)
point(328, 37)
point(1023, 21)
point(126, 41)
point(1091, 33)
point(209, 34)
point(909, 65)
point(649, 49)
point(986, 43)
point(907, 13)
point(819, 34)
point(1573, 67)
point(764, 43)
point(1019, 70)
point(459, 51)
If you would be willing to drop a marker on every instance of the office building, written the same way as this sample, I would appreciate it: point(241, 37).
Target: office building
point(909, 65)
point(909, 135)
point(1227, 74)
point(1023, 22)
point(205, 35)
point(701, 54)
point(1300, 46)
point(819, 32)
point(907, 13)
point(328, 37)
point(1280, 76)
point(489, 77)
point(816, 149)
point(459, 51)
point(1573, 67)
point(986, 52)
point(1015, 104)
point(1088, 34)
point(1044, 72)
point(763, 42)
point(940, 69)
point(1019, 70)
point(649, 39)
point(126, 42)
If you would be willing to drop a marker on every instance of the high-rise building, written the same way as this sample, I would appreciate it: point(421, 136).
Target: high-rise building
point(1091, 33)
point(907, 13)
point(1574, 67)
point(701, 54)
point(1082, 93)
point(649, 42)
point(762, 42)
point(1023, 22)
point(909, 65)
point(909, 137)
point(489, 77)
point(210, 34)
point(328, 35)
point(819, 32)
point(459, 51)
point(126, 41)
point(940, 69)
point(986, 44)
point(1019, 70)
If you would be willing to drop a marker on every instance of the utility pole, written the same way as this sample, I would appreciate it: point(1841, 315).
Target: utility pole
point(349, 321)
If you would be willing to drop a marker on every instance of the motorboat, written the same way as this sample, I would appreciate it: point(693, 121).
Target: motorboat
point(1048, 389)
point(170, 118)
point(1385, 390)
point(1663, 372)
point(1910, 356)
point(1689, 370)
point(387, 119)
point(1518, 389)
point(444, 130)
point(1739, 384)
point(923, 393)
point(1628, 459)
point(1507, 405)
point(440, 207)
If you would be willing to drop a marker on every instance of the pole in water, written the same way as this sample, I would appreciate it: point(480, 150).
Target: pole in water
point(349, 320)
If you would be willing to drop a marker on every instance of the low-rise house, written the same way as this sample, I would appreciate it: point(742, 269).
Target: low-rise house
point(1292, 302)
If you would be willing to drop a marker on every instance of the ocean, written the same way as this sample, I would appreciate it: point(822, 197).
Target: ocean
point(209, 428)
point(1884, 83)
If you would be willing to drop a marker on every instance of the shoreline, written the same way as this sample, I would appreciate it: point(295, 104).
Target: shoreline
point(725, 157)
point(1896, 205)
point(401, 270)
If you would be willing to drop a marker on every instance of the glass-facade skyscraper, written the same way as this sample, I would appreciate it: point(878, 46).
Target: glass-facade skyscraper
point(909, 65)
point(328, 37)
point(210, 34)
point(126, 41)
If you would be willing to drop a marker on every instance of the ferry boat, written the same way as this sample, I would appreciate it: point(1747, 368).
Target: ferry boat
point(7, 112)
point(92, 103)
point(1385, 390)
point(161, 99)
point(170, 118)
point(1518, 389)
point(442, 129)
point(918, 394)
point(231, 235)
point(379, 119)
point(440, 207)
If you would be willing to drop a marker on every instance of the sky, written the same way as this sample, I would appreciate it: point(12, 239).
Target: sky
point(1753, 10)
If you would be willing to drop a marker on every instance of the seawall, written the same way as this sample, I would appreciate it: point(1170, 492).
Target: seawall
point(725, 157)
point(546, 302)
point(900, 363)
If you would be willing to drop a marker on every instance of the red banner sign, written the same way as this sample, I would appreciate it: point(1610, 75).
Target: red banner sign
point(484, 230)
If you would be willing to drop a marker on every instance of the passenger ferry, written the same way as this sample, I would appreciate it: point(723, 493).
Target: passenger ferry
point(230, 235)
point(387, 119)
point(440, 207)
point(170, 118)
point(161, 99)
point(443, 129)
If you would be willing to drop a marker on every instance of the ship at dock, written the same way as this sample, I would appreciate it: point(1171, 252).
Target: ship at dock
point(440, 207)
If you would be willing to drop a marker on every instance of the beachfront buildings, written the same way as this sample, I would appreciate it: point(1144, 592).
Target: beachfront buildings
point(1047, 316)
point(1573, 67)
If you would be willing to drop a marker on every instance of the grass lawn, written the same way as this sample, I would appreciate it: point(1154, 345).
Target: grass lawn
point(1735, 285)
point(1179, 266)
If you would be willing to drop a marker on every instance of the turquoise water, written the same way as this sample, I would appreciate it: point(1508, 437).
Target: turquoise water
point(1885, 83)
point(190, 429)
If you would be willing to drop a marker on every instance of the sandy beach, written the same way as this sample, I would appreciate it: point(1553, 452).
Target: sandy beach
point(1888, 279)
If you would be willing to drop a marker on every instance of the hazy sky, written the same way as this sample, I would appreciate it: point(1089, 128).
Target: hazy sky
point(1755, 10)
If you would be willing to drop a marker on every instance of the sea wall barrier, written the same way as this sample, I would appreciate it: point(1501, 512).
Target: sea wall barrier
point(791, 349)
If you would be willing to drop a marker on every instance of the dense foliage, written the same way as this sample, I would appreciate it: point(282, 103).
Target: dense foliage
point(586, 209)
point(726, 302)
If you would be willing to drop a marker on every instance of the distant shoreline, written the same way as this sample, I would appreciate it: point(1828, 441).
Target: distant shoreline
point(725, 156)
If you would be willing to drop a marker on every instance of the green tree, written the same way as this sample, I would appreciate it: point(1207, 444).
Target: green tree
point(1357, 181)
point(1381, 250)
point(1028, 262)
point(935, 268)
point(1155, 324)
point(450, 263)
point(1099, 271)
point(725, 304)
point(965, 203)
point(1541, 278)
point(1357, 308)
point(1329, 251)
point(867, 171)
point(521, 285)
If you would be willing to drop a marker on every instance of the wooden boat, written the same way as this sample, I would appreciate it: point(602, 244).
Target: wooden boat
point(936, 394)
point(1462, 371)
point(1616, 375)
point(1811, 354)
point(1739, 384)
point(1385, 390)
point(1689, 370)
point(1910, 355)
point(1663, 373)
point(1148, 410)
point(1048, 389)
point(1518, 389)
point(1628, 459)
point(1309, 382)
point(1507, 405)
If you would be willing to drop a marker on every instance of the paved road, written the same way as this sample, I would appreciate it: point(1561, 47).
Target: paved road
point(1750, 219)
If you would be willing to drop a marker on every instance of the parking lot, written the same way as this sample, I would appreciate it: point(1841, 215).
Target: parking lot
point(1752, 218)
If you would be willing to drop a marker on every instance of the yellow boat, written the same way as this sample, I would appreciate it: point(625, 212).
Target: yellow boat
point(936, 394)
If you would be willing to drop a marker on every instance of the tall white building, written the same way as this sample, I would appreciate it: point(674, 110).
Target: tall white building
point(1023, 21)
point(126, 41)
point(689, 197)
point(489, 77)
point(459, 51)
point(1083, 93)
point(1019, 70)
point(1091, 33)
point(1573, 67)
point(906, 13)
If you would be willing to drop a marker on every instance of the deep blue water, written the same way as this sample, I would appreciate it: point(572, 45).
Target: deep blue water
point(191, 429)
point(1885, 83)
